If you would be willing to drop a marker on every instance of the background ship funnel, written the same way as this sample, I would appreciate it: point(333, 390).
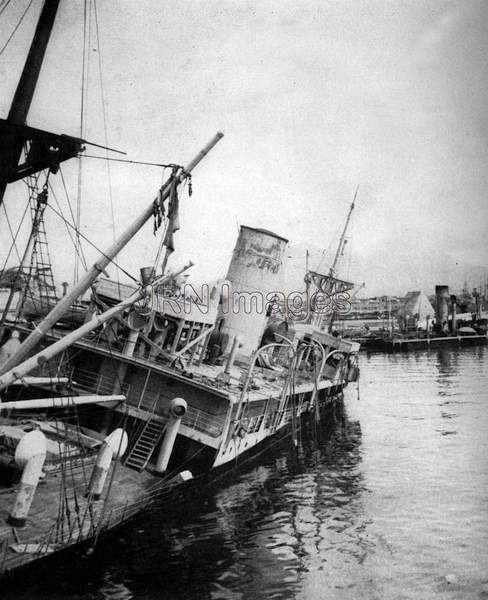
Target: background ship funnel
point(442, 306)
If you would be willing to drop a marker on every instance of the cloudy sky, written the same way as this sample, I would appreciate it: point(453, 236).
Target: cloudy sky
point(314, 98)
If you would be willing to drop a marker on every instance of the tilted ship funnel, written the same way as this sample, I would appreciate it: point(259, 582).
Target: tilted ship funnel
point(254, 276)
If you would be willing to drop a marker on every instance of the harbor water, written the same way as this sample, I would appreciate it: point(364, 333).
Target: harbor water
point(390, 503)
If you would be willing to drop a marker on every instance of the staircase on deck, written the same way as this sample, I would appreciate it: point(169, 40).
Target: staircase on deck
point(143, 448)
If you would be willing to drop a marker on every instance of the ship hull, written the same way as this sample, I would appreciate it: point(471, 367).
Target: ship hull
point(156, 494)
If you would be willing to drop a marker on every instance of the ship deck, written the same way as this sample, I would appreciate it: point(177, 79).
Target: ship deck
point(49, 529)
point(200, 375)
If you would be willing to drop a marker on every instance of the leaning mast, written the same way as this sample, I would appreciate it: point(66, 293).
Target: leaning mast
point(11, 147)
point(340, 247)
point(60, 148)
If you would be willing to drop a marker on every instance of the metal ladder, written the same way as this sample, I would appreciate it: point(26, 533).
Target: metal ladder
point(146, 442)
point(39, 274)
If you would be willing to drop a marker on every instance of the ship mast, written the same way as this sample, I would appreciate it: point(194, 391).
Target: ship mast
point(40, 206)
point(70, 147)
point(332, 272)
point(11, 147)
point(340, 248)
point(103, 260)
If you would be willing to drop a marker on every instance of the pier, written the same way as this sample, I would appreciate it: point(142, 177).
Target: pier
point(404, 344)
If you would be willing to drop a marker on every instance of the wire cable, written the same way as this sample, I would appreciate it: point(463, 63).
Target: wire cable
point(11, 231)
point(132, 162)
point(7, 2)
point(16, 27)
point(73, 241)
point(82, 253)
point(84, 77)
point(104, 114)
point(93, 245)
point(16, 234)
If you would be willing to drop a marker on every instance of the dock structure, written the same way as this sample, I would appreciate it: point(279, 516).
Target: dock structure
point(404, 344)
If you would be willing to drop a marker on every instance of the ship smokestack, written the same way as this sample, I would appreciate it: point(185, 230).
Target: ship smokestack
point(254, 275)
point(442, 308)
point(453, 315)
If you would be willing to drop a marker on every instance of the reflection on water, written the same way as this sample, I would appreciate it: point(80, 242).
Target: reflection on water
point(389, 503)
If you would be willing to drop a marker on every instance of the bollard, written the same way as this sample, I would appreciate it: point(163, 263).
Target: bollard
point(177, 410)
point(30, 454)
point(113, 447)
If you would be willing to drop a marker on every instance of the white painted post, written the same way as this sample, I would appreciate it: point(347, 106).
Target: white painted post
point(113, 447)
point(177, 410)
point(230, 361)
point(131, 342)
point(31, 454)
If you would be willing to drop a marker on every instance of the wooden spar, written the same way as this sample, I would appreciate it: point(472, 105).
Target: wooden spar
point(47, 353)
point(34, 361)
point(198, 339)
point(99, 265)
point(40, 380)
point(32, 68)
point(62, 402)
point(24, 93)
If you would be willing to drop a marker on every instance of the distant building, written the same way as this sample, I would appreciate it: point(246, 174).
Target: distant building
point(416, 311)
point(379, 307)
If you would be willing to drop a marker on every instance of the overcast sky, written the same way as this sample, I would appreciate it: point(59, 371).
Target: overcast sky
point(314, 98)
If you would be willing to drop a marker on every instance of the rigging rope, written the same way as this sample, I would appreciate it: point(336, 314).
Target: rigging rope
point(133, 162)
point(40, 268)
point(27, 291)
point(104, 114)
point(82, 252)
point(14, 244)
point(161, 246)
point(7, 2)
point(66, 193)
point(73, 241)
point(16, 27)
point(16, 234)
point(84, 83)
point(159, 215)
point(93, 245)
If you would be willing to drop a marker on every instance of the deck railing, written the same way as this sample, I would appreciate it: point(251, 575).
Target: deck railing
point(98, 383)
point(198, 419)
point(203, 421)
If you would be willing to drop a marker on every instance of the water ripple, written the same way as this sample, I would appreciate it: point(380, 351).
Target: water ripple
point(391, 504)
